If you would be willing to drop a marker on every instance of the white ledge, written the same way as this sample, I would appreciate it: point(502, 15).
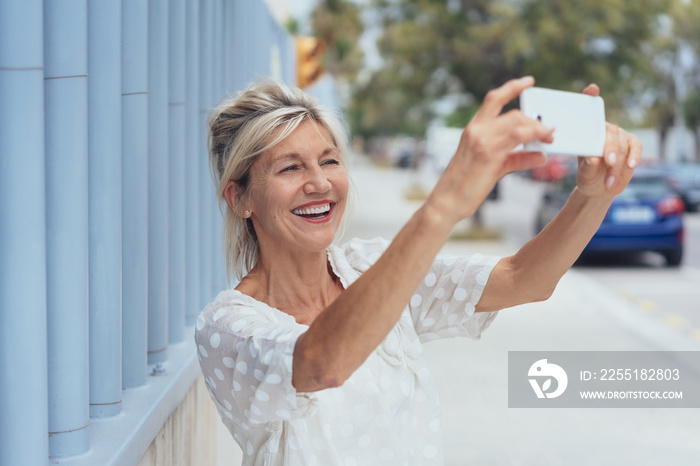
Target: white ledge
point(124, 438)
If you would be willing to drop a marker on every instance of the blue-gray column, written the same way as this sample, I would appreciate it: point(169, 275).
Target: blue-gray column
point(289, 70)
point(229, 47)
point(193, 135)
point(65, 87)
point(23, 384)
point(259, 50)
point(157, 181)
point(176, 175)
point(239, 77)
point(105, 206)
point(269, 37)
point(218, 44)
point(206, 84)
point(134, 191)
point(251, 58)
point(285, 42)
point(218, 263)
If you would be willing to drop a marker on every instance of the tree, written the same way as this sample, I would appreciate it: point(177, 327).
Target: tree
point(691, 115)
point(432, 48)
point(686, 17)
point(388, 104)
point(661, 87)
point(338, 23)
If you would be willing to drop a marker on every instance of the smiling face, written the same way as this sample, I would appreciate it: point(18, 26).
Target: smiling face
point(298, 192)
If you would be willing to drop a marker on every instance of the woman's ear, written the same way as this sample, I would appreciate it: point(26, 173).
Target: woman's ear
point(232, 194)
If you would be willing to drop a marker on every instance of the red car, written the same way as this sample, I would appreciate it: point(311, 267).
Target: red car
point(556, 168)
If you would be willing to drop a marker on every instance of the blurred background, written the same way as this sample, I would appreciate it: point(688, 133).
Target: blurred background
point(406, 65)
point(410, 75)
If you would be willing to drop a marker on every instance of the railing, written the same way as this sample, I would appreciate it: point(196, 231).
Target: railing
point(109, 229)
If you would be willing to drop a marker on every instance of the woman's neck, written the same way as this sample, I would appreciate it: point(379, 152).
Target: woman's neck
point(302, 285)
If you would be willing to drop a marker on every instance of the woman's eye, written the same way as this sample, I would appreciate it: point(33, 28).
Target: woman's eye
point(288, 169)
point(331, 162)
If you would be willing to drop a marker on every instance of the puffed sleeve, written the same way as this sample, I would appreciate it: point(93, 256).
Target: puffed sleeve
point(246, 360)
point(443, 305)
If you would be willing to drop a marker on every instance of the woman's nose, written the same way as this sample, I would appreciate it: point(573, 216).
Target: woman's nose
point(317, 181)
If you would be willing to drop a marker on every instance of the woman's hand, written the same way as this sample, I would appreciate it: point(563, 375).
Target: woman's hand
point(485, 152)
point(609, 175)
point(534, 271)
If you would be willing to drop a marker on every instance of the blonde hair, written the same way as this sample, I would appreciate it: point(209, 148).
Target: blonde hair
point(240, 130)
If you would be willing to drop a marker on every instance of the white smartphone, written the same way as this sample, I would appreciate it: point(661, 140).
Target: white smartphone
point(578, 121)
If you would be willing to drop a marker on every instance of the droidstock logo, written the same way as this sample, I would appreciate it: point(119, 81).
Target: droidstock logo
point(542, 370)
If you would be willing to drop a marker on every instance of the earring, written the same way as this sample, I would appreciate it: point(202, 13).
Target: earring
point(247, 213)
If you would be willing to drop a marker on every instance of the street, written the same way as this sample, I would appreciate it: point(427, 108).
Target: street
point(666, 293)
point(671, 295)
point(611, 307)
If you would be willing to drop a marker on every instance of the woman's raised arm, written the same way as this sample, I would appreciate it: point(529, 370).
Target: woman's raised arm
point(342, 337)
point(534, 271)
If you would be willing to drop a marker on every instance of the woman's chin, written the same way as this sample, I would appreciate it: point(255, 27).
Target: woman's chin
point(302, 242)
point(320, 242)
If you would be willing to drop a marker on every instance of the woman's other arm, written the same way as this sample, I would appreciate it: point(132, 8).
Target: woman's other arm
point(534, 271)
point(342, 337)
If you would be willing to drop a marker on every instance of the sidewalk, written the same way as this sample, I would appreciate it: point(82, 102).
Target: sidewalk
point(472, 375)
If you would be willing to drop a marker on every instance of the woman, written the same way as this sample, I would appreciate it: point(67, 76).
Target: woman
point(315, 357)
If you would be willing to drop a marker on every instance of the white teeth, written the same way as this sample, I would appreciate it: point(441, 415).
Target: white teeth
point(313, 210)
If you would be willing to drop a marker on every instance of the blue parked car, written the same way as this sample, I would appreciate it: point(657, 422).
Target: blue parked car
point(646, 216)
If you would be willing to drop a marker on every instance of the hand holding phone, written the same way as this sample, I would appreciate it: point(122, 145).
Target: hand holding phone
point(578, 121)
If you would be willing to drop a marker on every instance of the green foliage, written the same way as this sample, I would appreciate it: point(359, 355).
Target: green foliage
point(432, 48)
point(680, 36)
point(292, 25)
point(691, 114)
point(691, 110)
point(338, 23)
point(383, 108)
point(686, 19)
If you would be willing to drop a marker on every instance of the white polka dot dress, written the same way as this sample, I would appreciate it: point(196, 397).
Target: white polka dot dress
point(386, 413)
